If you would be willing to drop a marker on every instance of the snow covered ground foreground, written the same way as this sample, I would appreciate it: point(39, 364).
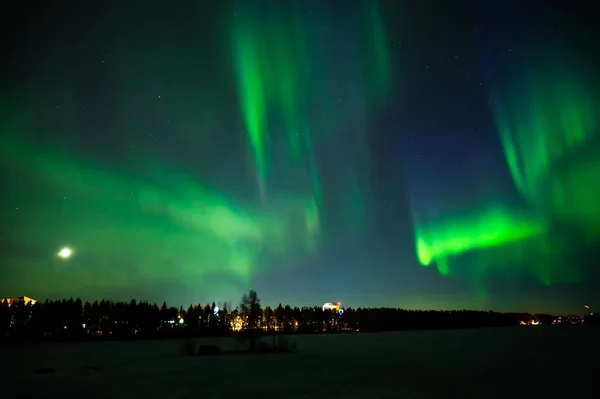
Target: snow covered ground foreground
point(485, 363)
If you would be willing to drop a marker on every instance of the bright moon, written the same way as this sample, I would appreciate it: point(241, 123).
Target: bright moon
point(65, 253)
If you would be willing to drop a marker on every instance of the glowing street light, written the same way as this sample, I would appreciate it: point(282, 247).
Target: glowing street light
point(65, 253)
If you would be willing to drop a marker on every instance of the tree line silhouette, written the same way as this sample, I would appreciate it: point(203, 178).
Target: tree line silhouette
point(74, 320)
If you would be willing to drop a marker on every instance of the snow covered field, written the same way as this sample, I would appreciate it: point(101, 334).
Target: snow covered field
point(486, 363)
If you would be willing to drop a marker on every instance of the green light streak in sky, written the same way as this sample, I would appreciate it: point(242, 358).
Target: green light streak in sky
point(542, 123)
point(547, 119)
point(253, 100)
point(549, 129)
point(378, 44)
point(147, 179)
point(271, 67)
point(185, 228)
point(288, 85)
point(486, 229)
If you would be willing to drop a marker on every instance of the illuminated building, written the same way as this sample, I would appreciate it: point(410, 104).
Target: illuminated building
point(329, 306)
point(237, 324)
point(25, 299)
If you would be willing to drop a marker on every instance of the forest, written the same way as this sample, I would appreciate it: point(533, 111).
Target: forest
point(72, 319)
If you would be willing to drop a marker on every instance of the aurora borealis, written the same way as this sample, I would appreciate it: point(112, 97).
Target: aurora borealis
point(371, 153)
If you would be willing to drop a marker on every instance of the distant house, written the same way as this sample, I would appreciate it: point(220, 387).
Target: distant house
point(331, 306)
point(24, 299)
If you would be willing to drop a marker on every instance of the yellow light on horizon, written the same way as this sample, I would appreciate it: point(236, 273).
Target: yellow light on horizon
point(65, 253)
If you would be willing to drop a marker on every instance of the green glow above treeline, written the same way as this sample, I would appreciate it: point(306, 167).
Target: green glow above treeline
point(302, 85)
point(546, 113)
point(143, 220)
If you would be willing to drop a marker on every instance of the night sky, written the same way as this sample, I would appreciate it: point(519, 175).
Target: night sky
point(416, 154)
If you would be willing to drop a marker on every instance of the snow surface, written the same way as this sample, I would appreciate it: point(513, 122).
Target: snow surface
point(484, 363)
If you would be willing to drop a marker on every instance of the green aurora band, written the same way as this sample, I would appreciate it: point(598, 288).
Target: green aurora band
point(547, 118)
point(291, 97)
point(282, 68)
